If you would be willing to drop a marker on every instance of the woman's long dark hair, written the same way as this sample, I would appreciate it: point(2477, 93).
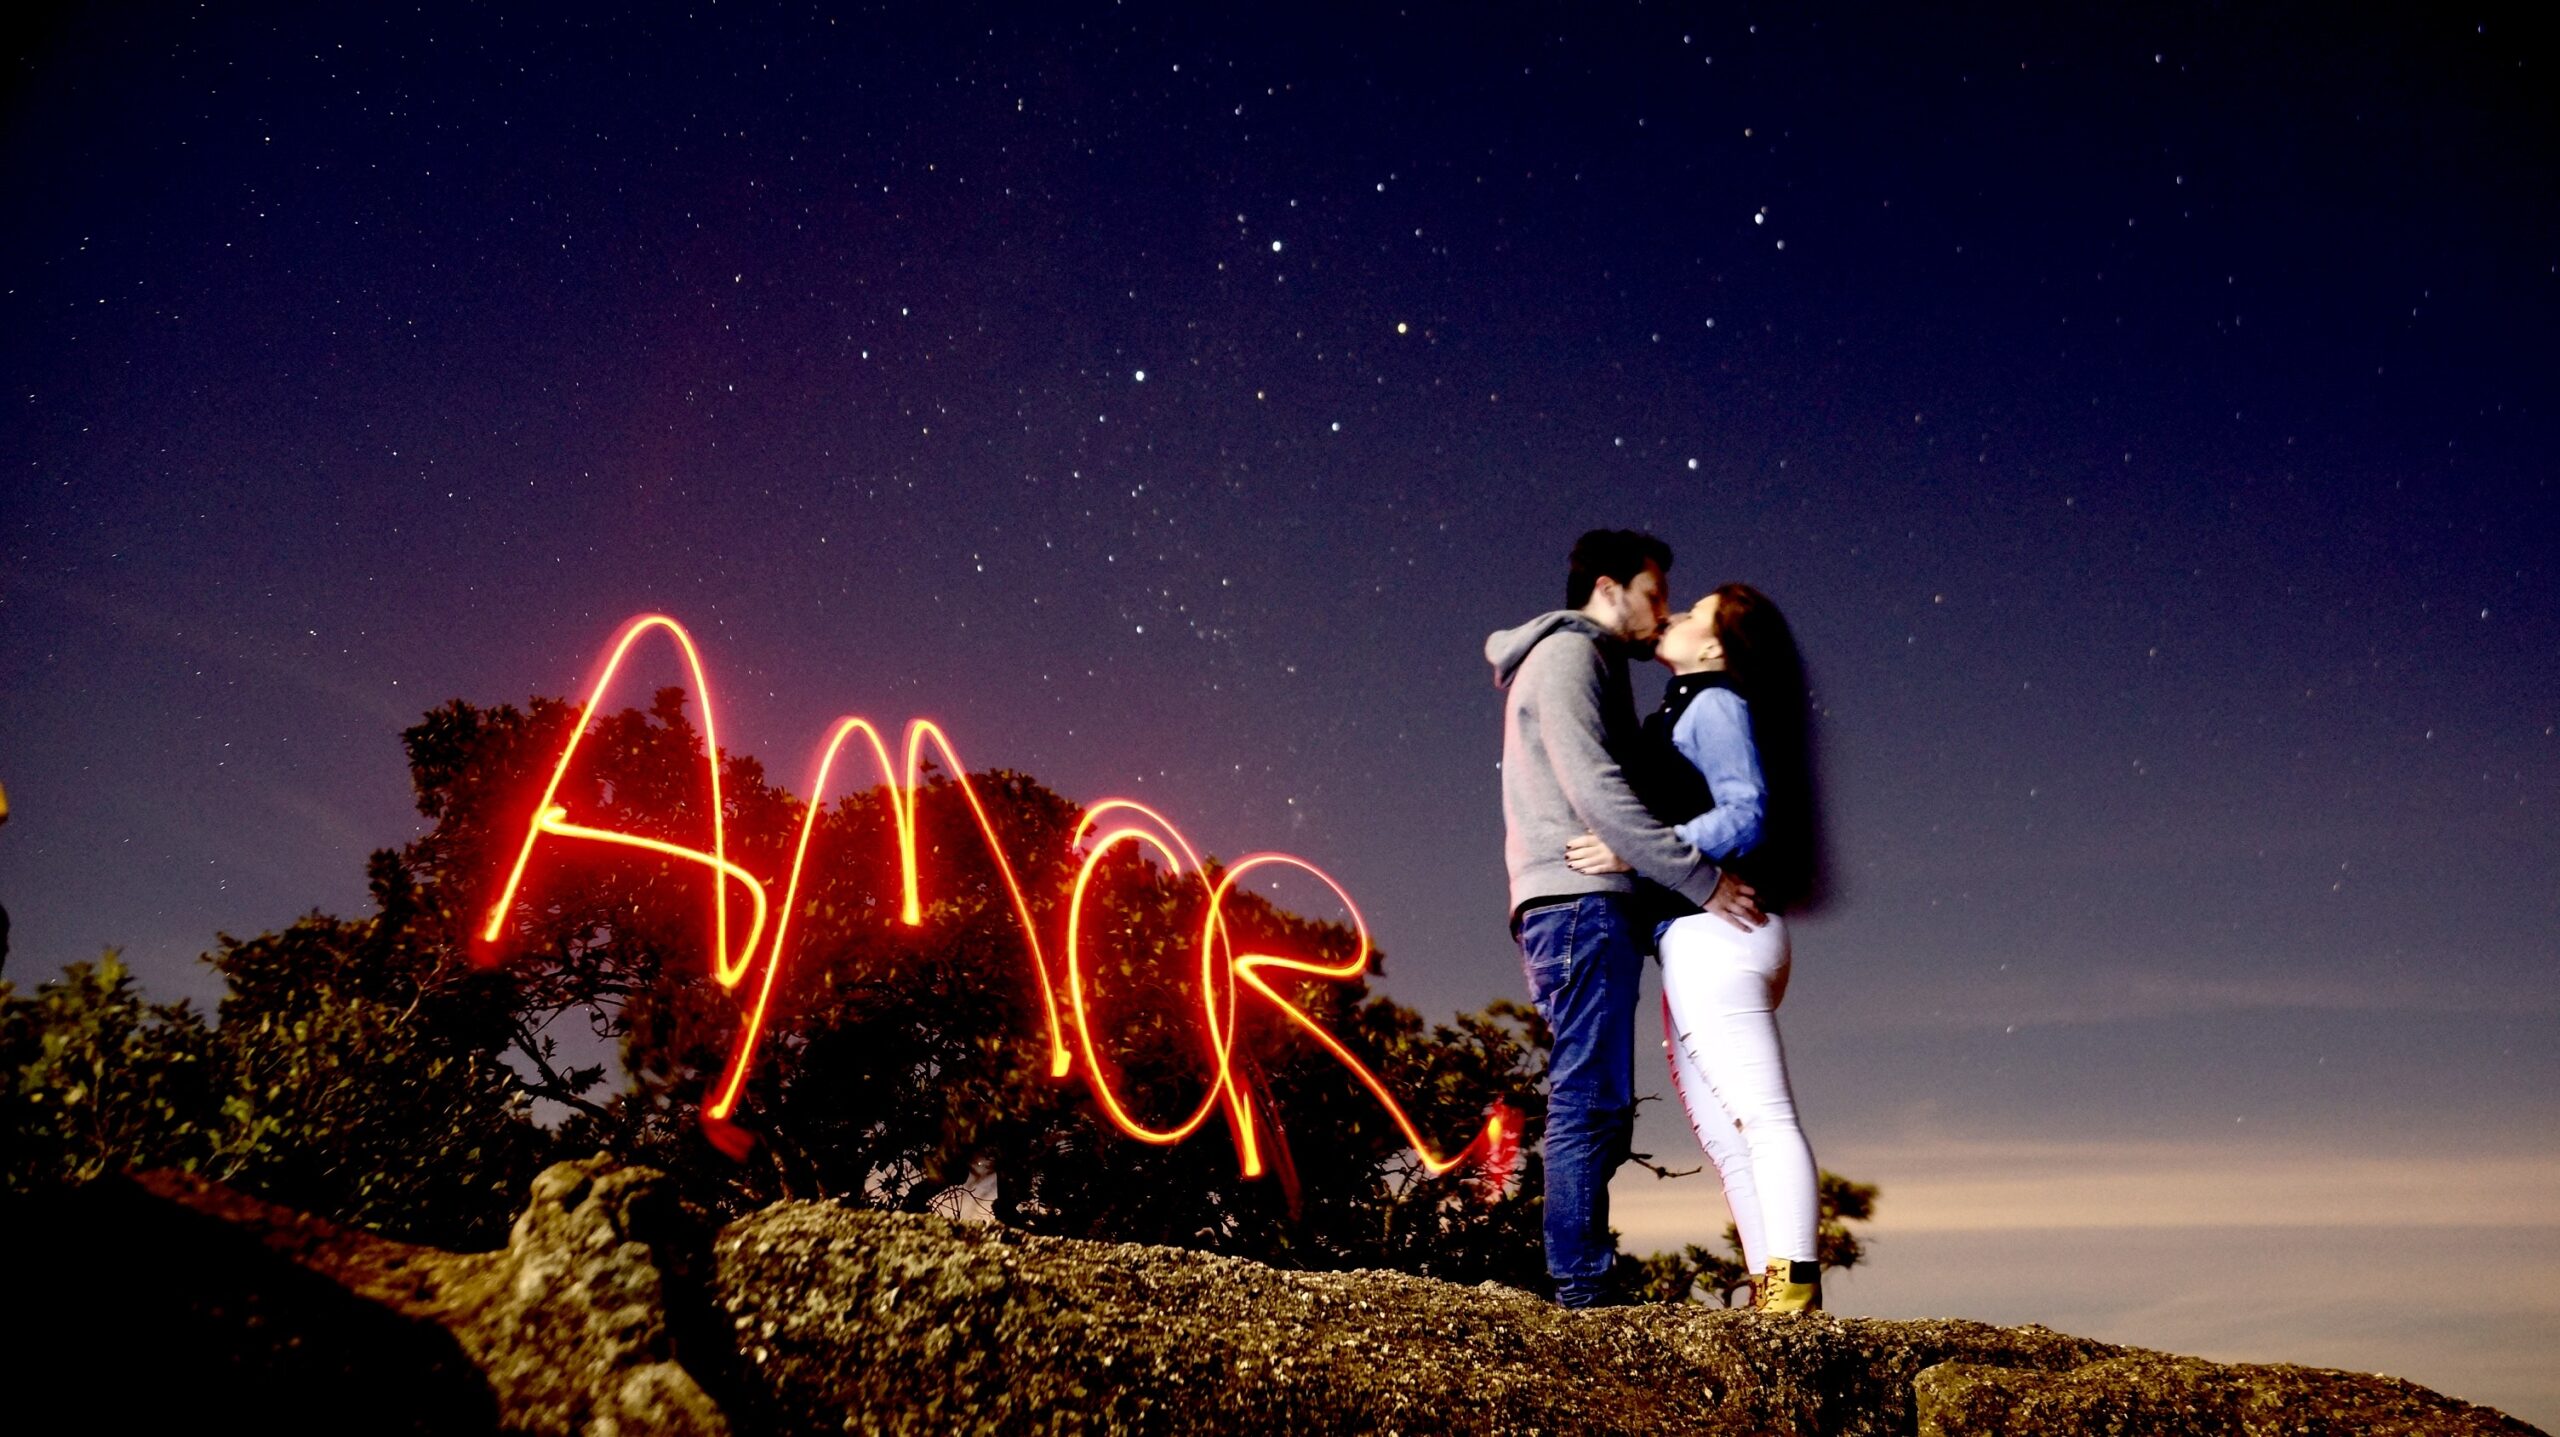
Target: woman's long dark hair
point(1767, 670)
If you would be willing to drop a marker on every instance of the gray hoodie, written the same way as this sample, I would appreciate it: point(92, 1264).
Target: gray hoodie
point(1567, 718)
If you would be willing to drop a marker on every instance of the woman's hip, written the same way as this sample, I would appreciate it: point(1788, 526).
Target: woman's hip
point(1702, 945)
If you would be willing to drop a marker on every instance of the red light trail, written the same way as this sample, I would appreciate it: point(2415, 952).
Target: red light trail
point(1224, 973)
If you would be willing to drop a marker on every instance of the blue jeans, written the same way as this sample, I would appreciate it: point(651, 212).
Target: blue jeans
point(1584, 969)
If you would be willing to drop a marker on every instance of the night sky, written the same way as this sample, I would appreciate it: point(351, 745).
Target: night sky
point(2146, 424)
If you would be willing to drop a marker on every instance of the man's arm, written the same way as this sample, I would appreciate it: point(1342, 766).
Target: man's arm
point(1564, 673)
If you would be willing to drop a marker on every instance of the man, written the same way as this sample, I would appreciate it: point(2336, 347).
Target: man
point(1568, 733)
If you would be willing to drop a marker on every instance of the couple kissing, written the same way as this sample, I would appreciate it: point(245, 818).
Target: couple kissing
point(1686, 835)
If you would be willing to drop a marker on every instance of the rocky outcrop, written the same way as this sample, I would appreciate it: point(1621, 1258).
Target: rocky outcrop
point(303, 1325)
point(925, 1327)
point(2149, 1394)
point(605, 1315)
point(571, 1321)
point(911, 1325)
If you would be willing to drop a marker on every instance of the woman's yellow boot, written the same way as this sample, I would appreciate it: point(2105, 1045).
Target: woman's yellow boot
point(1790, 1286)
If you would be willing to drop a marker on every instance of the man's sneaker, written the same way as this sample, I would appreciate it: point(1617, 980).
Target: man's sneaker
point(1790, 1286)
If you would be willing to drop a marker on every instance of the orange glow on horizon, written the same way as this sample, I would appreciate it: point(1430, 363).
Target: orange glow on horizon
point(1223, 974)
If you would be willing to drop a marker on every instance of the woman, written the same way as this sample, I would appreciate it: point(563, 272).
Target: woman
point(1733, 717)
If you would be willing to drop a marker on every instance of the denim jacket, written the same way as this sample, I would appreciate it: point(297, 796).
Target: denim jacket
point(1712, 730)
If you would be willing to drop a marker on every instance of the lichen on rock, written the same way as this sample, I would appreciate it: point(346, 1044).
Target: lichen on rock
point(609, 1314)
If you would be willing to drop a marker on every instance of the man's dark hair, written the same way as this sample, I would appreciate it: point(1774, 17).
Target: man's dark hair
point(1618, 554)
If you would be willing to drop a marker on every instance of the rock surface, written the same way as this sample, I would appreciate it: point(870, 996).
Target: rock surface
point(881, 1322)
point(2141, 1394)
point(604, 1315)
point(315, 1327)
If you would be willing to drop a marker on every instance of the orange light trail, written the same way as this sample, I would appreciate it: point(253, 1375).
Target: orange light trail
point(1223, 973)
point(547, 812)
point(1220, 1019)
point(1248, 969)
point(902, 800)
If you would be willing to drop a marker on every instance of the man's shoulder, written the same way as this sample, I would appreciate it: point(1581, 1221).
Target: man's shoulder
point(1575, 646)
point(1567, 667)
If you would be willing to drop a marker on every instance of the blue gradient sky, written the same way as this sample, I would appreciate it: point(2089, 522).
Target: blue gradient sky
point(2146, 424)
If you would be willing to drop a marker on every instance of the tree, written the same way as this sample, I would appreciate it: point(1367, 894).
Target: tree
point(100, 1078)
point(1698, 1272)
point(363, 1080)
point(342, 1080)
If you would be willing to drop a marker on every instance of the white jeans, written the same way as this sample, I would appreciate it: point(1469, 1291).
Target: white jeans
point(1720, 992)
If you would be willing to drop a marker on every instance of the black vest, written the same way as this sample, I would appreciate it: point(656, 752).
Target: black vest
point(1674, 792)
point(1672, 788)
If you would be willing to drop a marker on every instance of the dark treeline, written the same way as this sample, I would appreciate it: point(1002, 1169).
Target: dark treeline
point(368, 1070)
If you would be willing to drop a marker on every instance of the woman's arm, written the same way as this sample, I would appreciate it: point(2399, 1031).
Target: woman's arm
point(1714, 734)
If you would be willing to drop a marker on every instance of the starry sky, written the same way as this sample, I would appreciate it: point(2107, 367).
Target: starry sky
point(2144, 421)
